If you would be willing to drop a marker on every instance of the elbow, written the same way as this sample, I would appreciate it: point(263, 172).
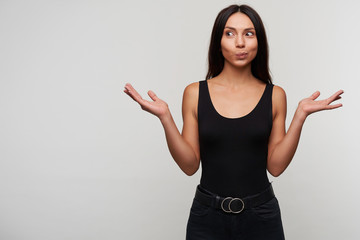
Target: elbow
point(191, 170)
point(275, 172)
point(275, 168)
point(188, 173)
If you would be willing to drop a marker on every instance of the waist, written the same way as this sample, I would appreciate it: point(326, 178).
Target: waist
point(230, 204)
point(234, 182)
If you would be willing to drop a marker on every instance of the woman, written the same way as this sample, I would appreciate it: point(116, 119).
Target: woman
point(234, 123)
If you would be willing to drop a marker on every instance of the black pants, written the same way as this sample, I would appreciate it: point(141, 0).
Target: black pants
point(260, 223)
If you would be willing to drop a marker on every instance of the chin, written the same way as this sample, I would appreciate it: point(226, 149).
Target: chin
point(239, 64)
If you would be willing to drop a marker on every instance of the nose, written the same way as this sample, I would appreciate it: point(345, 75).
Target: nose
point(240, 41)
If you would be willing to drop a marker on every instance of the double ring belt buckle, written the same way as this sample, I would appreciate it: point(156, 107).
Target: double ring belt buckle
point(234, 202)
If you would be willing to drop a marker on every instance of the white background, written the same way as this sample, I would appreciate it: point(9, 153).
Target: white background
point(80, 160)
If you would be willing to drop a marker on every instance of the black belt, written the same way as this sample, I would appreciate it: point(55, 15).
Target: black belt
point(233, 204)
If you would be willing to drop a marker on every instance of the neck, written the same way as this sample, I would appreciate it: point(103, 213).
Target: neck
point(235, 76)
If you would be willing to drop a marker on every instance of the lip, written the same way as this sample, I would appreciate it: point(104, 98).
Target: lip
point(241, 55)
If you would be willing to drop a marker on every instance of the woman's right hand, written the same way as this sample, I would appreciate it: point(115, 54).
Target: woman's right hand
point(157, 107)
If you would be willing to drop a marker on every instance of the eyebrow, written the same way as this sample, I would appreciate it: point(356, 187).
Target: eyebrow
point(246, 29)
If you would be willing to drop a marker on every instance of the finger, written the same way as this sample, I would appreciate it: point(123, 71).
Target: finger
point(315, 95)
point(131, 89)
point(133, 93)
point(130, 95)
point(335, 96)
point(329, 107)
point(152, 95)
point(137, 98)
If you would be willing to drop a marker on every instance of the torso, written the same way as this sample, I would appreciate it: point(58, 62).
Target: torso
point(235, 103)
point(234, 129)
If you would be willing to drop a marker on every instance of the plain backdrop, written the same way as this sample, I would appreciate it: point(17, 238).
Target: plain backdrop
point(79, 159)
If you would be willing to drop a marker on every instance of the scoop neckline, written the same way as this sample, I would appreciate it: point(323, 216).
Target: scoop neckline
point(236, 118)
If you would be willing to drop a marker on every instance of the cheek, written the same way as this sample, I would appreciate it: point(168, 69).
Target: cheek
point(256, 49)
point(254, 45)
point(225, 46)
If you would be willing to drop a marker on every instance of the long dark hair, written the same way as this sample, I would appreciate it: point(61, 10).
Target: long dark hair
point(260, 64)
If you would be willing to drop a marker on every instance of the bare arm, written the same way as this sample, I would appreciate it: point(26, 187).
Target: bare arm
point(183, 147)
point(282, 145)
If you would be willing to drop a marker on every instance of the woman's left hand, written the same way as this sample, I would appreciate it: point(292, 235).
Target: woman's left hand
point(308, 105)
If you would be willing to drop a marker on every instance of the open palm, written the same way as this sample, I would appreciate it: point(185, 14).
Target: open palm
point(309, 105)
point(157, 107)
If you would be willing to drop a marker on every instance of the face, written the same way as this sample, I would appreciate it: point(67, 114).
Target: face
point(239, 43)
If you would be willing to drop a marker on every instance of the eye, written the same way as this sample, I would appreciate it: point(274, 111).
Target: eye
point(229, 34)
point(250, 34)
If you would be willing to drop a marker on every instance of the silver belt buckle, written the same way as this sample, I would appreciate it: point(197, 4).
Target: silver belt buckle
point(232, 200)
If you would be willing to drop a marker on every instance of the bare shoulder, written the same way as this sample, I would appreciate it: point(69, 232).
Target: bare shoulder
point(192, 89)
point(190, 98)
point(191, 92)
point(279, 100)
point(279, 93)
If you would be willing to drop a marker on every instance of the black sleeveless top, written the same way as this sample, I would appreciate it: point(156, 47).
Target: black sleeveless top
point(233, 151)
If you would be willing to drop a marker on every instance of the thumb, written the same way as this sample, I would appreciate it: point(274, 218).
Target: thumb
point(152, 95)
point(315, 95)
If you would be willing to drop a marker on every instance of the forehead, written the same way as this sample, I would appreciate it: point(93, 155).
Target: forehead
point(239, 20)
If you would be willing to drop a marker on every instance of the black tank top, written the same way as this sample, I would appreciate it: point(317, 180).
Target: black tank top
point(233, 151)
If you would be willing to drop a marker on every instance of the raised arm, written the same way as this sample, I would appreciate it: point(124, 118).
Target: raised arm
point(282, 144)
point(184, 148)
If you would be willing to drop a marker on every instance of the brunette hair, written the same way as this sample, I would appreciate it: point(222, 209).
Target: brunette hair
point(260, 64)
